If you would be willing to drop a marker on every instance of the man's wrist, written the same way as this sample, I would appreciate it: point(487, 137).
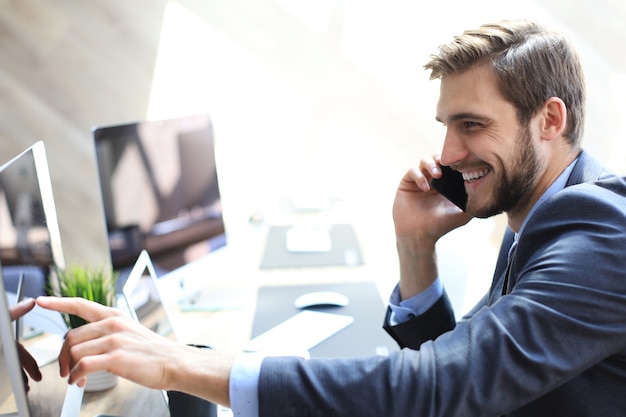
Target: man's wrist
point(418, 265)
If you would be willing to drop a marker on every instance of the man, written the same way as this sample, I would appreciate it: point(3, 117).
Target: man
point(549, 339)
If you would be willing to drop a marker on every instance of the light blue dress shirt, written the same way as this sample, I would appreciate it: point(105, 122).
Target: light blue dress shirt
point(244, 376)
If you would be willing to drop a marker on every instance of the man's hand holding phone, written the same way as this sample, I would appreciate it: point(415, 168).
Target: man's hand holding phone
point(421, 216)
point(423, 204)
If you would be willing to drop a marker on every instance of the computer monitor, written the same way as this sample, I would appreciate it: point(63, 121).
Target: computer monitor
point(44, 397)
point(160, 190)
point(29, 229)
point(13, 399)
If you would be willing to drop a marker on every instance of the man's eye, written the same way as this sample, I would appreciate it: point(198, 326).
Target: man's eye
point(471, 124)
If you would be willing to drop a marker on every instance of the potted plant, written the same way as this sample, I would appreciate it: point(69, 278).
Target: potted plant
point(94, 284)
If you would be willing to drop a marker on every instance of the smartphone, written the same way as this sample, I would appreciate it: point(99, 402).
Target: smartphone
point(451, 186)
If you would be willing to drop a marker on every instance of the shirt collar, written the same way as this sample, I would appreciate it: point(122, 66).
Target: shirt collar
point(555, 187)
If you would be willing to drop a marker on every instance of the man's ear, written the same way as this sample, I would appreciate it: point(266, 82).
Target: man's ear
point(553, 118)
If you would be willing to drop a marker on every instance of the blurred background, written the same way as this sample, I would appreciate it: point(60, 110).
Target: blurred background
point(306, 96)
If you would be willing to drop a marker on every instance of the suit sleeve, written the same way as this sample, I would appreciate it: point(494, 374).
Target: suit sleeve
point(440, 318)
point(436, 320)
point(563, 317)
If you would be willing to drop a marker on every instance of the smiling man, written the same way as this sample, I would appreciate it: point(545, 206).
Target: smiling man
point(548, 339)
point(487, 144)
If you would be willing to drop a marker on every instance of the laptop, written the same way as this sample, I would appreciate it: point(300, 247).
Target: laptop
point(141, 299)
point(13, 395)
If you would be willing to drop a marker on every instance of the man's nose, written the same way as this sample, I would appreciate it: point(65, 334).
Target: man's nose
point(453, 150)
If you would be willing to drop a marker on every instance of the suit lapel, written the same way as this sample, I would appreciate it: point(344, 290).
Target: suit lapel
point(502, 266)
point(586, 169)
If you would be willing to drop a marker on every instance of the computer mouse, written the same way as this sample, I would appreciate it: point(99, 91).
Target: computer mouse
point(321, 299)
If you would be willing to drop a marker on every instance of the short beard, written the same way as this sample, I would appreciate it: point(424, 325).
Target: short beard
point(516, 183)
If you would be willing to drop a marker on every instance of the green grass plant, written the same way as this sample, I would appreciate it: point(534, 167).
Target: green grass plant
point(94, 284)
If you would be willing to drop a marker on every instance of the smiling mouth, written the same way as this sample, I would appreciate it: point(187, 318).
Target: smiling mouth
point(475, 175)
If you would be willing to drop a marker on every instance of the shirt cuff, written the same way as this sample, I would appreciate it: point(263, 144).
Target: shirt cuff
point(244, 385)
point(417, 305)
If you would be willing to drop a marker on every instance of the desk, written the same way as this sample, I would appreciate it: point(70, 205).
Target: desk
point(126, 399)
point(237, 268)
point(231, 329)
point(226, 330)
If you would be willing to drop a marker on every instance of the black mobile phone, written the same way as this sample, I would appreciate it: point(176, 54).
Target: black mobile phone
point(451, 186)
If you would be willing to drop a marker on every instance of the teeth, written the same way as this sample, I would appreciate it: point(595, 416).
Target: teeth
point(469, 176)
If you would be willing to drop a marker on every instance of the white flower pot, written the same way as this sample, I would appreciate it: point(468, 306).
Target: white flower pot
point(100, 381)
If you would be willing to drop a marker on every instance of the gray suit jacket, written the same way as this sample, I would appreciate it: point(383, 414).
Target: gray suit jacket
point(555, 345)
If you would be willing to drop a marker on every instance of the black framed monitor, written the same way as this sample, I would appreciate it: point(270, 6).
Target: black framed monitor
point(160, 190)
point(29, 229)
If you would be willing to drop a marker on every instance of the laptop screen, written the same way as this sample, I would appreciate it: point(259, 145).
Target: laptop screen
point(159, 190)
point(143, 300)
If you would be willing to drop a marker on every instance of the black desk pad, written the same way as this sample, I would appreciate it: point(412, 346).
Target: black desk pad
point(361, 338)
point(345, 250)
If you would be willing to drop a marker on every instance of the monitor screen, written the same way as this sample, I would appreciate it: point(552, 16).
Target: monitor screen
point(159, 190)
point(29, 230)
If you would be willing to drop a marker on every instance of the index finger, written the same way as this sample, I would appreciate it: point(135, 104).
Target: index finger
point(432, 164)
point(88, 310)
